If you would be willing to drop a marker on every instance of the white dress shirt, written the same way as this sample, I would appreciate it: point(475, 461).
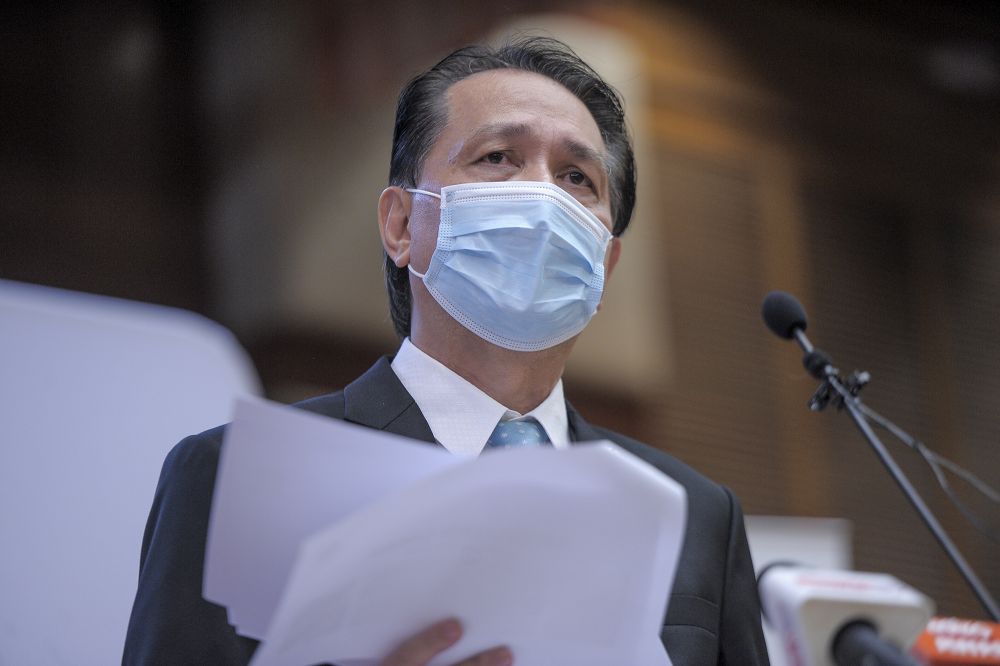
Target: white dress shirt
point(460, 415)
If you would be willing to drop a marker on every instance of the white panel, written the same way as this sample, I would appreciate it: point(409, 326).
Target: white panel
point(93, 393)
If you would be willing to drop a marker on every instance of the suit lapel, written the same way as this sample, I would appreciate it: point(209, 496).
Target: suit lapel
point(580, 430)
point(377, 399)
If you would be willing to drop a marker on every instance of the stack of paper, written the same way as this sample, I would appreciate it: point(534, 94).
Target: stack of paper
point(332, 543)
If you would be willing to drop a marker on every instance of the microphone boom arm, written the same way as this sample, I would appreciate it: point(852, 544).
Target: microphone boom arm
point(847, 397)
point(852, 403)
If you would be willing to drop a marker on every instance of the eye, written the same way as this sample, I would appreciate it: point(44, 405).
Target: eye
point(577, 179)
point(496, 157)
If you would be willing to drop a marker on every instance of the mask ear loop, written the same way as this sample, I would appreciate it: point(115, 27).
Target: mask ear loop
point(417, 191)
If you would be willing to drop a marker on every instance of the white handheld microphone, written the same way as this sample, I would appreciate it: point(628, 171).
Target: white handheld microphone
point(828, 617)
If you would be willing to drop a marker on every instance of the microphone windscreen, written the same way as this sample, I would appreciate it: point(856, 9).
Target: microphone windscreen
point(783, 314)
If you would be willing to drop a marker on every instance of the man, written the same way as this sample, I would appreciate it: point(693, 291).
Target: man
point(512, 178)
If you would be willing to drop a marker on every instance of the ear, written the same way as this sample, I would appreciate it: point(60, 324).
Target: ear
point(614, 253)
point(394, 224)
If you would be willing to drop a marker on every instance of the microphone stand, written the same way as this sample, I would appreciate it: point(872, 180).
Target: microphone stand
point(847, 397)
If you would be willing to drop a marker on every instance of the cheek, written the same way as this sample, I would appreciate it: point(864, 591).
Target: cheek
point(603, 213)
point(423, 236)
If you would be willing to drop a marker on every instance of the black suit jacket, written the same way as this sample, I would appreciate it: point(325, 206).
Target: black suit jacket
point(713, 615)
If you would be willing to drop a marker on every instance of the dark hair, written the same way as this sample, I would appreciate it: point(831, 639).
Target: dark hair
point(421, 115)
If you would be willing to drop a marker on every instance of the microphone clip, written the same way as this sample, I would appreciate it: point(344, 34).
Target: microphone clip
point(821, 398)
point(857, 381)
point(826, 392)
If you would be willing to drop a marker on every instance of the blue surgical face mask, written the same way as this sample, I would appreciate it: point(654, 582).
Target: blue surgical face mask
point(518, 263)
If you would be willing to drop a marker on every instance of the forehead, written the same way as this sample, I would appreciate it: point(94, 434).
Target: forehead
point(517, 97)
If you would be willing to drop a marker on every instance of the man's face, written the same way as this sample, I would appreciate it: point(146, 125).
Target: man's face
point(511, 125)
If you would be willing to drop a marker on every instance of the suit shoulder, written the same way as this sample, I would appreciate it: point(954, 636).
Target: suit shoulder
point(330, 404)
point(205, 446)
point(697, 484)
point(195, 453)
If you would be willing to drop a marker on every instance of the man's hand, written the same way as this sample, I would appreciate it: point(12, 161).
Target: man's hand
point(420, 649)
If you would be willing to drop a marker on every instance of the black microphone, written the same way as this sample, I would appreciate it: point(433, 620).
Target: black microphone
point(859, 643)
point(783, 314)
point(786, 318)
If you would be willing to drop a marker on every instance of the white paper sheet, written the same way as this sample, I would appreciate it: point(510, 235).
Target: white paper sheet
point(285, 474)
point(567, 556)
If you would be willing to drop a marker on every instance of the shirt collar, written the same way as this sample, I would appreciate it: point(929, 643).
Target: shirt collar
point(459, 414)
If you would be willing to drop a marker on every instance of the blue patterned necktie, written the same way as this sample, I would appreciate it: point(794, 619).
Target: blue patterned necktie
point(517, 434)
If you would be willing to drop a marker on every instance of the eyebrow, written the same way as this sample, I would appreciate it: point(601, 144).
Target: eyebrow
point(514, 130)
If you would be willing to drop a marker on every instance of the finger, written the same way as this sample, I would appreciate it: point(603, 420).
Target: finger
point(419, 649)
point(498, 656)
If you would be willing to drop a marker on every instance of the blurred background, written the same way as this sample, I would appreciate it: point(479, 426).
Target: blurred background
point(227, 159)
